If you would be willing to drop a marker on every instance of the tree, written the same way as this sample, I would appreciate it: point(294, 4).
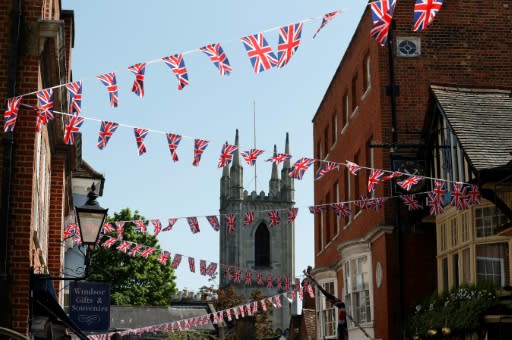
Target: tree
point(134, 280)
point(263, 319)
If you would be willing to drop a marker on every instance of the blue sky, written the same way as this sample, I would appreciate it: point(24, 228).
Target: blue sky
point(112, 35)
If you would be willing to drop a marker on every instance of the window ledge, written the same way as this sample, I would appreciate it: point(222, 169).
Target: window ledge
point(344, 129)
point(354, 112)
point(365, 94)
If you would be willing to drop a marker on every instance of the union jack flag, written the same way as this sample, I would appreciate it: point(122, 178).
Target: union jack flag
point(325, 168)
point(109, 243)
point(44, 107)
point(238, 275)
point(408, 183)
point(352, 167)
point(227, 273)
point(157, 227)
point(136, 250)
point(248, 218)
point(124, 246)
point(226, 154)
point(263, 305)
point(140, 134)
point(218, 58)
point(286, 283)
point(259, 278)
point(75, 96)
point(107, 129)
point(274, 217)
point(176, 261)
point(248, 278)
point(147, 252)
point(424, 13)
point(376, 203)
point(411, 202)
point(141, 227)
point(177, 65)
point(374, 178)
point(164, 257)
point(109, 80)
point(69, 230)
point(199, 147)
point(120, 229)
point(192, 264)
point(255, 307)
point(230, 222)
point(270, 282)
point(72, 128)
point(439, 190)
point(170, 223)
point(173, 140)
point(259, 52)
point(193, 224)
point(292, 214)
point(362, 203)
point(11, 113)
point(316, 209)
point(382, 14)
point(202, 267)
point(242, 311)
point(228, 314)
point(474, 195)
point(279, 284)
point(248, 308)
point(277, 301)
point(394, 174)
point(211, 269)
point(251, 155)
point(214, 221)
point(107, 228)
point(300, 167)
point(289, 40)
point(325, 20)
point(341, 209)
point(138, 83)
point(459, 197)
point(278, 158)
point(435, 204)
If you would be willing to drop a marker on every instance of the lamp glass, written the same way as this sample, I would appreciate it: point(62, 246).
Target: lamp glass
point(90, 223)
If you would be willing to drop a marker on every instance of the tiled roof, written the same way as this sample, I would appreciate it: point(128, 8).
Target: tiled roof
point(482, 121)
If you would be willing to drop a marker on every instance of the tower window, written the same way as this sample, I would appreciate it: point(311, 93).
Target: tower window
point(262, 246)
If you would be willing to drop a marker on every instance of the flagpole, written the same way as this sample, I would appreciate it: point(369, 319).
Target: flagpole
point(254, 135)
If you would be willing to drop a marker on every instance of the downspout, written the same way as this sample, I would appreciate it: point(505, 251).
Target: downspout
point(8, 143)
point(393, 92)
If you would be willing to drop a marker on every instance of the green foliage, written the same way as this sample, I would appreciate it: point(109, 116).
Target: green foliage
point(460, 310)
point(262, 319)
point(134, 280)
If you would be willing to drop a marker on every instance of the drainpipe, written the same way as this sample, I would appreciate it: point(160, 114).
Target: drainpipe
point(8, 143)
point(393, 92)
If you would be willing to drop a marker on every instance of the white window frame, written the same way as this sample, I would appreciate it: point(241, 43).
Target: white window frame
point(325, 309)
point(368, 75)
point(493, 259)
point(346, 112)
point(350, 292)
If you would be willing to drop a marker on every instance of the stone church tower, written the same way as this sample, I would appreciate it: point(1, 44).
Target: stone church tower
point(258, 247)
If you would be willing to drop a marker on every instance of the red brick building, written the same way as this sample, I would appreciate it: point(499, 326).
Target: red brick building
point(373, 113)
point(36, 39)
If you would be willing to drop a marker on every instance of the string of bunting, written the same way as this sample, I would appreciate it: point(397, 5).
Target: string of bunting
point(219, 317)
point(462, 197)
point(227, 152)
point(236, 275)
point(258, 50)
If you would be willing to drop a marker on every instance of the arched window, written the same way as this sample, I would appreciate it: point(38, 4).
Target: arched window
point(262, 246)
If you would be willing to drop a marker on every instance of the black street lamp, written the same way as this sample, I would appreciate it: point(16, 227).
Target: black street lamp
point(90, 217)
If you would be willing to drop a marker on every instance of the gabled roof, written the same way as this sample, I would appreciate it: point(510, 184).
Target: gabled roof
point(482, 121)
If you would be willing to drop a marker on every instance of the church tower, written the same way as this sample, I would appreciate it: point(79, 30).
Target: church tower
point(257, 247)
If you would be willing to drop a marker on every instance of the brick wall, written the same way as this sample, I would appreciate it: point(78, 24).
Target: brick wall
point(468, 45)
point(26, 249)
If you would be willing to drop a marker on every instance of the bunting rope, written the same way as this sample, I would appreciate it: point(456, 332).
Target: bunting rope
point(303, 163)
point(198, 50)
point(218, 317)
